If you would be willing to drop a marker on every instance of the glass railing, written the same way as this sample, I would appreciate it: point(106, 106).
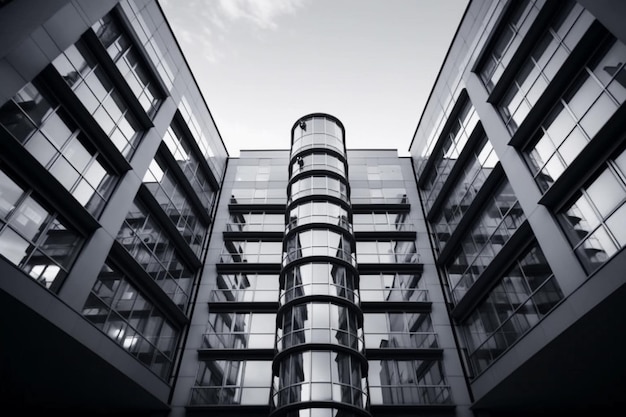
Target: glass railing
point(234, 340)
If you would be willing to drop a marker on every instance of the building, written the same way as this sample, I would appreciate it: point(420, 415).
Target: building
point(145, 272)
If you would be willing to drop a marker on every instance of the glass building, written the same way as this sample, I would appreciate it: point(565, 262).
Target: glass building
point(145, 272)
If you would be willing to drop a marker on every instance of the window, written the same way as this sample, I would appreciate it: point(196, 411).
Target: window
point(144, 238)
point(232, 382)
point(34, 238)
point(593, 97)
point(594, 221)
point(127, 316)
point(129, 62)
point(48, 132)
point(89, 81)
point(525, 294)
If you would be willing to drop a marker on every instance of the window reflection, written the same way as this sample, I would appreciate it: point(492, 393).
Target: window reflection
point(399, 330)
point(385, 252)
point(180, 147)
point(511, 33)
point(393, 287)
point(319, 242)
point(245, 287)
point(234, 330)
point(319, 323)
point(127, 316)
point(301, 378)
point(524, 295)
point(172, 198)
point(594, 221)
point(49, 133)
point(591, 100)
point(130, 64)
point(500, 218)
point(252, 251)
point(320, 279)
point(407, 382)
point(144, 238)
point(475, 173)
point(454, 141)
point(33, 238)
point(93, 87)
point(550, 52)
point(245, 382)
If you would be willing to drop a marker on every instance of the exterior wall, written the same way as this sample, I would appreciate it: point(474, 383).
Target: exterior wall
point(60, 319)
point(582, 290)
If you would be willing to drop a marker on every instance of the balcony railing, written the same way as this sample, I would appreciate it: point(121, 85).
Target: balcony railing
point(236, 340)
point(229, 395)
point(394, 295)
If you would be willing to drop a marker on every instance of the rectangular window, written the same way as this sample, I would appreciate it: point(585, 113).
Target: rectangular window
point(525, 294)
point(594, 222)
point(93, 87)
point(129, 62)
point(128, 317)
point(595, 94)
point(34, 238)
point(50, 134)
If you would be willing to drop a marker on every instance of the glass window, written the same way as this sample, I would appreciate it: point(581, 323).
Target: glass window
point(33, 238)
point(525, 294)
point(593, 221)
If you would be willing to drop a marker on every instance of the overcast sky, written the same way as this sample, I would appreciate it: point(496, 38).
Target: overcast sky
point(261, 64)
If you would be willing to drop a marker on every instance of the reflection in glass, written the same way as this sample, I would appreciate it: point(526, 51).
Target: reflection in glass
point(525, 294)
point(594, 222)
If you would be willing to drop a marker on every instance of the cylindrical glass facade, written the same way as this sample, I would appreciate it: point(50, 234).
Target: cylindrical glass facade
point(319, 367)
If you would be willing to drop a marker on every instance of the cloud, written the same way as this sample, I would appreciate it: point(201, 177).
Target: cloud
point(263, 13)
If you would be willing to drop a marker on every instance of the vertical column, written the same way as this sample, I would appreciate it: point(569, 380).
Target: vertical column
point(319, 367)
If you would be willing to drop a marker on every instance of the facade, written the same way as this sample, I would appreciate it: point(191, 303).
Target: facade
point(520, 166)
point(143, 271)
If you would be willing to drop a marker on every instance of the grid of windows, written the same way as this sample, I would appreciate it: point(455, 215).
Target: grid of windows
point(128, 61)
point(47, 131)
point(256, 222)
point(120, 310)
point(524, 295)
point(475, 173)
point(454, 141)
point(152, 39)
point(566, 29)
point(178, 144)
point(378, 194)
point(396, 382)
point(399, 330)
point(301, 378)
point(33, 238)
point(510, 35)
point(394, 287)
point(498, 221)
point(232, 382)
point(253, 251)
point(593, 97)
point(172, 198)
point(387, 251)
point(82, 72)
point(594, 222)
point(245, 287)
point(236, 330)
point(154, 251)
point(382, 222)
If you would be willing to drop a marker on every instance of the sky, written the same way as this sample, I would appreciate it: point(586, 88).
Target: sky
point(262, 64)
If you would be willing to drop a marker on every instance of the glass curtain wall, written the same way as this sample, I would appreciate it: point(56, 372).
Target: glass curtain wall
point(319, 367)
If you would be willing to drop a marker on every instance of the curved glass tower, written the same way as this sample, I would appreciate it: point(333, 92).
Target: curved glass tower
point(319, 367)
